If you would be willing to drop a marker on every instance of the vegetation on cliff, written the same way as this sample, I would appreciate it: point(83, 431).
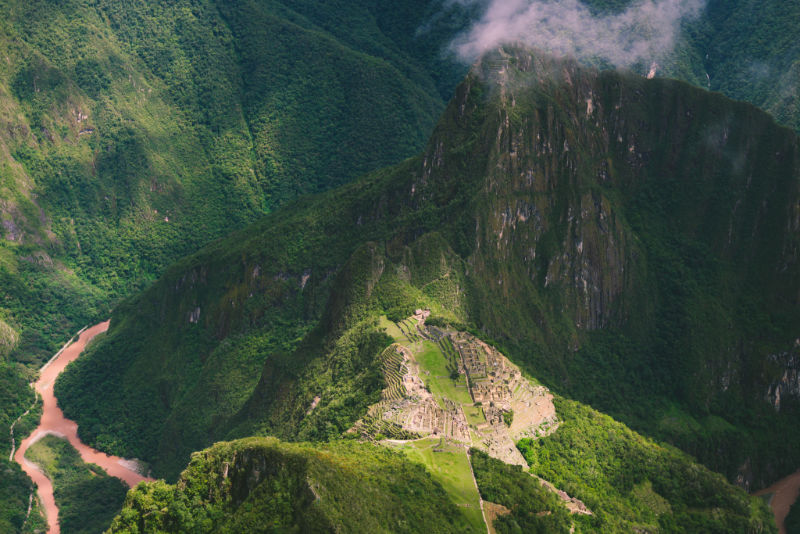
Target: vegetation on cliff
point(632, 483)
point(87, 498)
point(133, 134)
point(15, 487)
point(631, 246)
point(264, 485)
point(631, 243)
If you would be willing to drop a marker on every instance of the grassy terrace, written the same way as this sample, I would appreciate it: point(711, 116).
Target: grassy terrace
point(474, 415)
point(394, 332)
point(438, 381)
point(436, 365)
point(449, 465)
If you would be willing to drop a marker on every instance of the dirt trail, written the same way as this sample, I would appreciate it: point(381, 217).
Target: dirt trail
point(785, 493)
point(54, 422)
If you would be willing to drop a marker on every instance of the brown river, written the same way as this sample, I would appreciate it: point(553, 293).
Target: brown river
point(54, 422)
point(784, 494)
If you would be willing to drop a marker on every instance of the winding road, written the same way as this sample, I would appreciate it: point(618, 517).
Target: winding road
point(54, 422)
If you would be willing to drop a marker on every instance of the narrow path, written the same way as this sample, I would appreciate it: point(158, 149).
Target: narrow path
point(28, 513)
point(54, 422)
point(784, 495)
point(17, 420)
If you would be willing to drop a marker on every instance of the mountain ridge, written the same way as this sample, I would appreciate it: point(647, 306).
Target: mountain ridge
point(459, 225)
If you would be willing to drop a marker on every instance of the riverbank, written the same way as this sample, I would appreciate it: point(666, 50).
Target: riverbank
point(784, 494)
point(53, 422)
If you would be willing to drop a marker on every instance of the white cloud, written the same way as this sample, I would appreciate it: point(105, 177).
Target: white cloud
point(644, 32)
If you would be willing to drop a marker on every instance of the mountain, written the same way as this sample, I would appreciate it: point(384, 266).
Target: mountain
point(745, 49)
point(631, 243)
point(264, 485)
point(134, 134)
point(748, 52)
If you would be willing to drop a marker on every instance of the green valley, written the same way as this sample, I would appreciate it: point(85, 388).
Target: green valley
point(132, 135)
point(355, 284)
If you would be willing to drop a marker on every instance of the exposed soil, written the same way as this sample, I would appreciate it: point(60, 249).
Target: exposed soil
point(575, 506)
point(784, 494)
point(54, 422)
point(493, 511)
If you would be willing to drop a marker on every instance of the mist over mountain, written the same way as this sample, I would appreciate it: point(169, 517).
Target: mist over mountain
point(642, 32)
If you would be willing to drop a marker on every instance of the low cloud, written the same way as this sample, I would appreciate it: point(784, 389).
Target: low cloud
point(644, 32)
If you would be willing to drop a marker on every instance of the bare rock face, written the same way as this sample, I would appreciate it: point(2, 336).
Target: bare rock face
point(540, 202)
point(788, 384)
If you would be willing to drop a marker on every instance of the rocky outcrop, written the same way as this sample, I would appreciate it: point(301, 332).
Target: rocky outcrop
point(788, 383)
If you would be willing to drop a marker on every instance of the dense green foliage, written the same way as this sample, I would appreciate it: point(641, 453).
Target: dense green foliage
point(87, 498)
point(533, 508)
point(15, 487)
point(638, 258)
point(263, 485)
point(750, 51)
point(792, 522)
point(15, 397)
point(631, 483)
point(131, 134)
point(134, 133)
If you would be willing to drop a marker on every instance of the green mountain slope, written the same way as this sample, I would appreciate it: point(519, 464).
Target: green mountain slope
point(134, 133)
point(632, 243)
point(750, 52)
point(746, 49)
point(264, 485)
point(15, 486)
point(131, 134)
point(87, 497)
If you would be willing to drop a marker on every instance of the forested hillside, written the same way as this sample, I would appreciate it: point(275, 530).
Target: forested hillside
point(264, 485)
point(134, 133)
point(630, 242)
